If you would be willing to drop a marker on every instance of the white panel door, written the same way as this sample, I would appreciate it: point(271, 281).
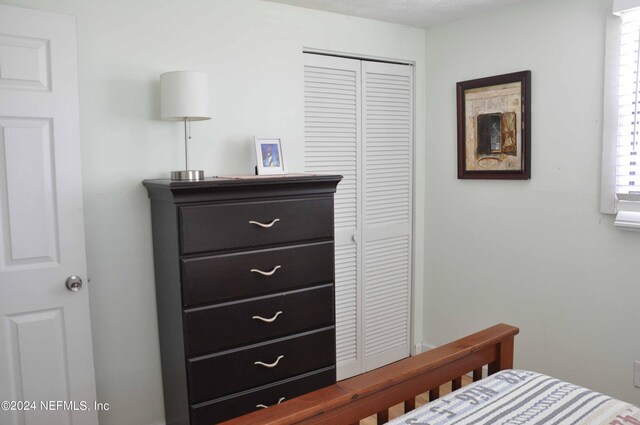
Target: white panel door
point(387, 123)
point(46, 353)
point(332, 146)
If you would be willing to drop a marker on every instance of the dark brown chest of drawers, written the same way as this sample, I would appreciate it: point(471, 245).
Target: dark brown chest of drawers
point(245, 292)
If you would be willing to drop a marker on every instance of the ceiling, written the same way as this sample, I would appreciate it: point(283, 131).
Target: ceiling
point(414, 13)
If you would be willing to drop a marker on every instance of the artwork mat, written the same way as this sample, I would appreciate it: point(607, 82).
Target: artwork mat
point(487, 96)
point(261, 168)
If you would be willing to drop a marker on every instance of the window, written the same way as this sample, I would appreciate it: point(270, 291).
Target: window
point(621, 160)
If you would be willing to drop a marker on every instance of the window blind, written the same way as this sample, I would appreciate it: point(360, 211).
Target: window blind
point(628, 137)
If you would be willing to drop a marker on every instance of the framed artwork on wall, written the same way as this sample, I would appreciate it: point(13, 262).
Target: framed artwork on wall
point(494, 127)
point(269, 156)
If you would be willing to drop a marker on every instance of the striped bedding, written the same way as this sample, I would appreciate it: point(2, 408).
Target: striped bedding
point(517, 397)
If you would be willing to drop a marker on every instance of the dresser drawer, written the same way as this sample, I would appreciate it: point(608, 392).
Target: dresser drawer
point(220, 410)
point(230, 226)
point(225, 277)
point(239, 323)
point(233, 371)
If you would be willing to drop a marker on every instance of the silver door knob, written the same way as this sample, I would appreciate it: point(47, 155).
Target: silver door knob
point(73, 283)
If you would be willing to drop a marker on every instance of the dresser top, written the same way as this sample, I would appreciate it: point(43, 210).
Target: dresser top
point(220, 188)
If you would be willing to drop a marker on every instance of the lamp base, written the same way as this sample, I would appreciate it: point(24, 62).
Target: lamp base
point(193, 175)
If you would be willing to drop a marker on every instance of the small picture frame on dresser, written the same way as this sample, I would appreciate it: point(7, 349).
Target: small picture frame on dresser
point(269, 156)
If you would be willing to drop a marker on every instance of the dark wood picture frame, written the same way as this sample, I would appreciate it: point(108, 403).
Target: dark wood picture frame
point(494, 129)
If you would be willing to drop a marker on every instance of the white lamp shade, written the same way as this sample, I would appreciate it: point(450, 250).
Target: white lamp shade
point(184, 94)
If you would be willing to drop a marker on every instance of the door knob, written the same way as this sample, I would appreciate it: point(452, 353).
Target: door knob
point(73, 283)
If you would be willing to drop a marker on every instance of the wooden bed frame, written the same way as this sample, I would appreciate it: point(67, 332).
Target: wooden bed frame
point(348, 401)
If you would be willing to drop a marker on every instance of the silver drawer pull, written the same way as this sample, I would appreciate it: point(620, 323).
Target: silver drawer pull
point(262, 406)
point(266, 273)
point(268, 320)
point(257, 223)
point(274, 364)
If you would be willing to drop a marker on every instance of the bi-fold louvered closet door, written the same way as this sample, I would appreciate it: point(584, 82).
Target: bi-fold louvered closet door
point(359, 123)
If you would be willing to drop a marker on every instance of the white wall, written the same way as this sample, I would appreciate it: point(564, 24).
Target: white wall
point(536, 254)
point(253, 52)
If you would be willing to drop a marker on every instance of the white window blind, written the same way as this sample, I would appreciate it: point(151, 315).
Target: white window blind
point(627, 159)
point(621, 124)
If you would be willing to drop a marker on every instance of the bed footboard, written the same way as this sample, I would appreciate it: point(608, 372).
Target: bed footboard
point(375, 392)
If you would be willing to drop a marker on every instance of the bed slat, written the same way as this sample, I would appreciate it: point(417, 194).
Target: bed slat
point(456, 383)
point(409, 405)
point(383, 417)
point(477, 374)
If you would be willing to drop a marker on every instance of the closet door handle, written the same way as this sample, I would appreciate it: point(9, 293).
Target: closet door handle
point(275, 316)
point(266, 226)
point(270, 365)
point(266, 273)
point(262, 406)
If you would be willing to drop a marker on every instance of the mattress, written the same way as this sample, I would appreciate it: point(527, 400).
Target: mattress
point(521, 397)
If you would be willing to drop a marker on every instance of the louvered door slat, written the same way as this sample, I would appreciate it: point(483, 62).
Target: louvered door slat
point(387, 300)
point(387, 175)
point(346, 311)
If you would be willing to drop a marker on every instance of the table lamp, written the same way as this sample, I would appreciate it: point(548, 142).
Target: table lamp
point(185, 97)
